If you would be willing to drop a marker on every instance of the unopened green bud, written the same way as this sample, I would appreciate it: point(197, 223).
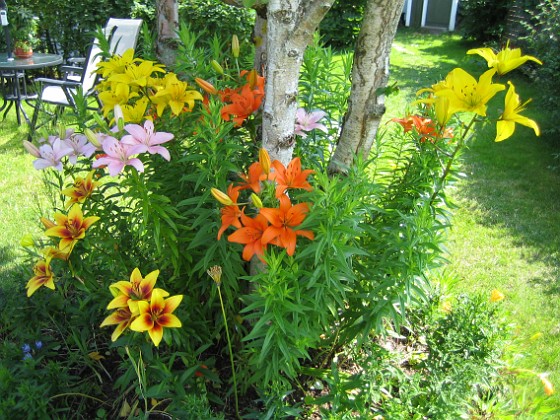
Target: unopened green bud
point(235, 46)
point(256, 201)
point(216, 66)
point(92, 138)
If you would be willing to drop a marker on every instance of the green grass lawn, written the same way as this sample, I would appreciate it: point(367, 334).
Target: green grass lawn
point(506, 228)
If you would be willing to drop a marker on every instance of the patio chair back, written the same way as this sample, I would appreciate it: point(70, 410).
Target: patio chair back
point(123, 35)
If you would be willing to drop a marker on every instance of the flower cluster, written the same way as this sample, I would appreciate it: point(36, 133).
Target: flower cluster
point(69, 228)
point(141, 307)
point(239, 102)
point(425, 128)
point(28, 351)
point(271, 225)
point(142, 87)
point(461, 92)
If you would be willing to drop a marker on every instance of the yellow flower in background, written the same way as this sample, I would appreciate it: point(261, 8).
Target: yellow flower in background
point(81, 189)
point(27, 240)
point(506, 60)
point(136, 112)
point(511, 115)
point(548, 386)
point(117, 64)
point(156, 315)
point(137, 74)
point(465, 93)
point(118, 93)
point(177, 95)
point(496, 296)
point(43, 276)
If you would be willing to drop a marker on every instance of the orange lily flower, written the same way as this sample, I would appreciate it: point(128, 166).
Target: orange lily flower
point(156, 315)
point(252, 180)
point(290, 177)
point(244, 102)
point(70, 228)
point(231, 213)
point(122, 317)
point(127, 294)
point(250, 235)
point(282, 220)
point(81, 189)
point(43, 277)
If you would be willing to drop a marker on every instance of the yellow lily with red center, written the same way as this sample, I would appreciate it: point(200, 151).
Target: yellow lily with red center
point(70, 228)
point(506, 60)
point(466, 94)
point(156, 315)
point(127, 294)
point(81, 189)
point(511, 115)
point(43, 277)
point(122, 318)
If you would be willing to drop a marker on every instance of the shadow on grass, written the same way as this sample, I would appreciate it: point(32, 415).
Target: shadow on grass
point(515, 185)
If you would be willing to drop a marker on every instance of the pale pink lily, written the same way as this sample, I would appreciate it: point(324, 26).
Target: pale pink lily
point(118, 156)
point(145, 139)
point(308, 121)
point(80, 147)
point(51, 154)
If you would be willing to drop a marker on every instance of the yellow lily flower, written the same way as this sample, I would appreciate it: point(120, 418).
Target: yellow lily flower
point(119, 93)
point(122, 318)
point(137, 75)
point(70, 228)
point(135, 113)
point(175, 94)
point(506, 123)
point(127, 294)
point(117, 64)
point(43, 277)
point(156, 315)
point(81, 189)
point(506, 60)
point(466, 94)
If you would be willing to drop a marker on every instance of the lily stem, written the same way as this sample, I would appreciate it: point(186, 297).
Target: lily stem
point(230, 354)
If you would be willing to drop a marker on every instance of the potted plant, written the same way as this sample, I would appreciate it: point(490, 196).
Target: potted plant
point(23, 29)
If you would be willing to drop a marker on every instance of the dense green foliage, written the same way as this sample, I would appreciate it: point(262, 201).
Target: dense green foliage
point(483, 20)
point(341, 25)
point(543, 41)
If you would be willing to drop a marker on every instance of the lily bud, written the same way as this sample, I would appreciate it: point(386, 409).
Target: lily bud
point(47, 223)
point(206, 86)
point(222, 198)
point(27, 240)
point(252, 78)
point(235, 46)
point(92, 138)
point(216, 66)
point(264, 160)
point(61, 131)
point(256, 201)
point(31, 148)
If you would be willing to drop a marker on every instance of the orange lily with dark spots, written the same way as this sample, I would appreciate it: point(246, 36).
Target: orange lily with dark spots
point(231, 213)
point(282, 221)
point(290, 177)
point(252, 180)
point(250, 235)
point(156, 315)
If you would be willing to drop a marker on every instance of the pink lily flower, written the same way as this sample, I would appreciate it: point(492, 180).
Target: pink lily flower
point(118, 156)
point(308, 121)
point(144, 139)
point(51, 154)
point(80, 146)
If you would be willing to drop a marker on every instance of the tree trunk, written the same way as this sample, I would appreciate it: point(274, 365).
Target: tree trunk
point(290, 28)
point(370, 73)
point(167, 27)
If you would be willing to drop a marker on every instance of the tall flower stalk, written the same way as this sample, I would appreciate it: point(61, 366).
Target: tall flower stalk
point(216, 273)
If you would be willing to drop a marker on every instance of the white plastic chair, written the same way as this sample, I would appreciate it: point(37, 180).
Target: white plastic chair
point(123, 35)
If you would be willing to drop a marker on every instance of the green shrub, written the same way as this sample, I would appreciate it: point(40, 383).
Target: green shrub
point(341, 25)
point(483, 20)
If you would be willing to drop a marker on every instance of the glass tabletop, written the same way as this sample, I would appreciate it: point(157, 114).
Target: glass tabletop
point(36, 61)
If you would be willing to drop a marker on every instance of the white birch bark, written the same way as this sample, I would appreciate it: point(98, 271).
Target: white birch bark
point(167, 27)
point(370, 72)
point(290, 28)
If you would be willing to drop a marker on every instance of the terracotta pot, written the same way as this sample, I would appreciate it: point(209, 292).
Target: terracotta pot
point(20, 53)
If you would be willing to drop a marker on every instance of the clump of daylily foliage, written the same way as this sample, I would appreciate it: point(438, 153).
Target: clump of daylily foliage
point(311, 264)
